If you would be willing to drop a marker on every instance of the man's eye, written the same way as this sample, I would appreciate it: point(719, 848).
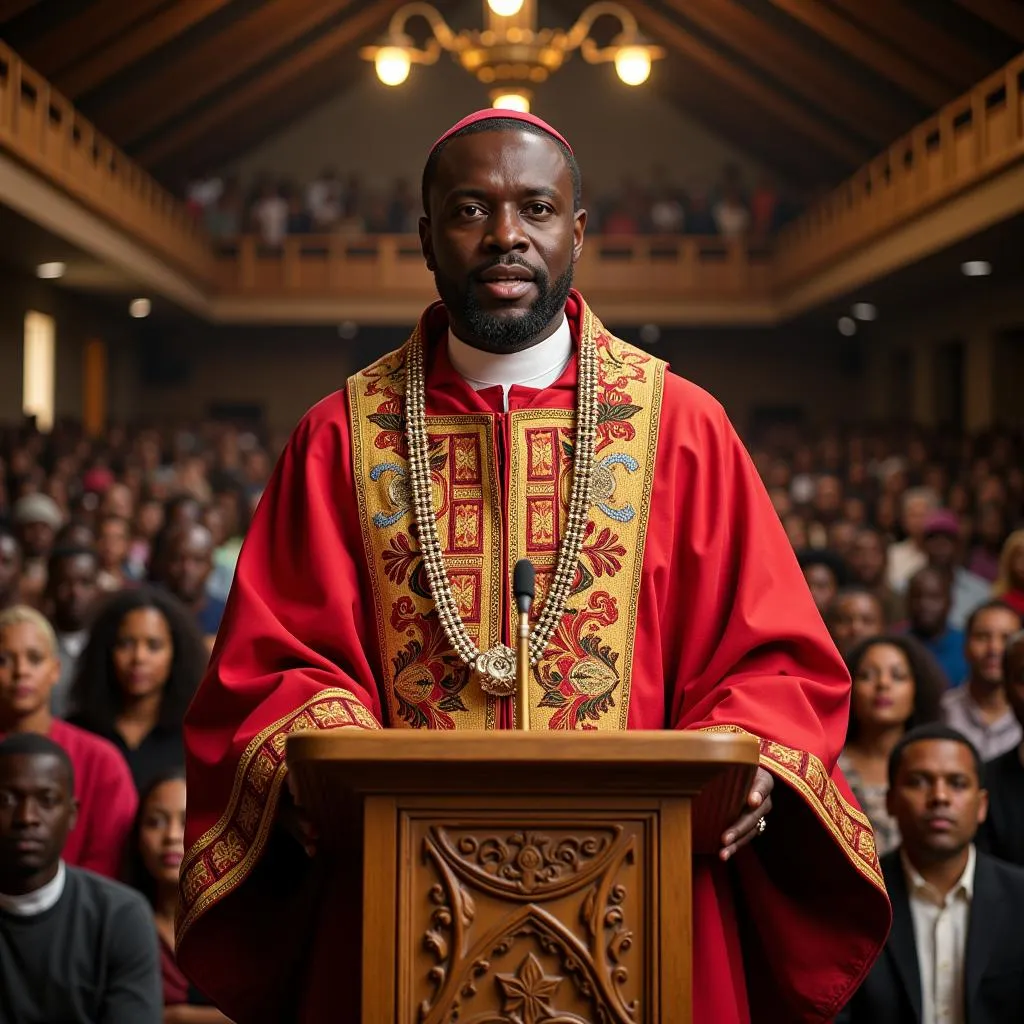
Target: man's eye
point(472, 210)
point(538, 209)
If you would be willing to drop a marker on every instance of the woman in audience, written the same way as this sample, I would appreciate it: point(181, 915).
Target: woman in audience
point(154, 855)
point(1009, 585)
point(896, 686)
point(29, 669)
point(136, 676)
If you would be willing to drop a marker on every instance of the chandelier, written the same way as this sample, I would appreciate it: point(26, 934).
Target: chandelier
point(512, 54)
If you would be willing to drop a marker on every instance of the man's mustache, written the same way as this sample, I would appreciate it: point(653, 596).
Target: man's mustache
point(511, 260)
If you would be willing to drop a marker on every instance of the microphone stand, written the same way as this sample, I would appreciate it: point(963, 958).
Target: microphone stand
point(523, 585)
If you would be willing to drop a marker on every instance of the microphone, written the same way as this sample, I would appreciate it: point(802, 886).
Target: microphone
point(524, 578)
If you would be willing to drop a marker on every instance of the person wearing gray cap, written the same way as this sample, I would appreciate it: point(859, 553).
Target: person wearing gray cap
point(36, 519)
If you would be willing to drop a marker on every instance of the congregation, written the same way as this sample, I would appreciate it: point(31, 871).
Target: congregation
point(116, 557)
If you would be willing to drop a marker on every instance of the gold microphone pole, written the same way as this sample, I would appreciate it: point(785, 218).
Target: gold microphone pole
point(523, 584)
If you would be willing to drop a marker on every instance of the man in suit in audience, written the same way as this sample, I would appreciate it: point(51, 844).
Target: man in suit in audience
point(956, 951)
point(1002, 835)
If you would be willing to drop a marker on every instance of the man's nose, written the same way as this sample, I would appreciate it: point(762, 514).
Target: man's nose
point(505, 230)
point(26, 813)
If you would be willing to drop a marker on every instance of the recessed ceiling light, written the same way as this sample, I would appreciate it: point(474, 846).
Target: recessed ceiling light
point(139, 308)
point(976, 268)
point(51, 271)
point(864, 311)
point(650, 334)
point(847, 326)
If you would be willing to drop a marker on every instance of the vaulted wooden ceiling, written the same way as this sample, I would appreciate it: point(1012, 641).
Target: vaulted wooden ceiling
point(810, 87)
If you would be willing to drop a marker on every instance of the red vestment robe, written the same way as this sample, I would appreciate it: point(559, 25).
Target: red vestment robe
point(707, 624)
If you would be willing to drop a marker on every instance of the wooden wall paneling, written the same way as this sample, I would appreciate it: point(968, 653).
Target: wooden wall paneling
point(12, 8)
point(1005, 15)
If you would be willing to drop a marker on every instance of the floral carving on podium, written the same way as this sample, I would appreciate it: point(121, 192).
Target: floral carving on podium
point(516, 967)
point(528, 863)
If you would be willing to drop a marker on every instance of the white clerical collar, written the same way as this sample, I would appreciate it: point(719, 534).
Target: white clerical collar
point(36, 902)
point(536, 367)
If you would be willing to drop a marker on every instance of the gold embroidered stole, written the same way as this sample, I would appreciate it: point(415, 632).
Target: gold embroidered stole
point(583, 679)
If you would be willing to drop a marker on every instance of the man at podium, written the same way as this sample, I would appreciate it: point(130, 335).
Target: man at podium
point(373, 591)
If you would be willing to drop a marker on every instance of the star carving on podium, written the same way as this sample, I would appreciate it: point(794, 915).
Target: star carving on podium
point(529, 991)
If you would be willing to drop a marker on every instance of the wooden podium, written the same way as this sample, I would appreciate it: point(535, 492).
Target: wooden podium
point(520, 878)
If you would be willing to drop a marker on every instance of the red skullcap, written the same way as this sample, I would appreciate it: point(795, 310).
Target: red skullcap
point(490, 114)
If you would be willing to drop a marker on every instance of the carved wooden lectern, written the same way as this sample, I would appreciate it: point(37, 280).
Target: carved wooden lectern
point(519, 878)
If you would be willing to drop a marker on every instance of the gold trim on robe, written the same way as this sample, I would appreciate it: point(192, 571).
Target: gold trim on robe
point(219, 861)
point(806, 773)
point(583, 679)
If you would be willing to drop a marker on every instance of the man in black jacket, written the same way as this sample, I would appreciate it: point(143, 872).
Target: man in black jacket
point(74, 947)
point(956, 951)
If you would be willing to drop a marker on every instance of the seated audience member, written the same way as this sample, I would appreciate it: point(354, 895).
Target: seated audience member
point(149, 521)
point(942, 549)
point(1009, 585)
point(75, 948)
point(1003, 832)
point(36, 519)
point(135, 678)
point(854, 615)
point(72, 591)
point(104, 790)
point(956, 949)
point(928, 603)
point(155, 852)
point(183, 564)
point(10, 568)
point(896, 687)
point(113, 542)
point(979, 709)
point(825, 574)
point(868, 560)
point(907, 557)
point(990, 529)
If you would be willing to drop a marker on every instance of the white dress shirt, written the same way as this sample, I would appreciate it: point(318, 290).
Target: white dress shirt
point(36, 902)
point(536, 367)
point(940, 934)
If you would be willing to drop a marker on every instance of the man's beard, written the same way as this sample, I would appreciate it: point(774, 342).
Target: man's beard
point(509, 333)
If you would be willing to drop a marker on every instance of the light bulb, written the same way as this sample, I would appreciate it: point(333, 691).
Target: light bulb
point(139, 308)
point(633, 64)
point(51, 271)
point(976, 268)
point(505, 8)
point(392, 64)
point(512, 101)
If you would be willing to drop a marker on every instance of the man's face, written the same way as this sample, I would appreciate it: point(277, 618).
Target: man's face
point(1013, 680)
point(986, 643)
point(10, 565)
point(37, 538)
point(188, 563)
point(928, 601)
point(937, 799)
point(915, 515)
point(74, 590)
point(822, 584)
point(853, 618)
point(112, 543)
point(502, 237)
point(867, 558)
point(941, 549)
point(37, 811)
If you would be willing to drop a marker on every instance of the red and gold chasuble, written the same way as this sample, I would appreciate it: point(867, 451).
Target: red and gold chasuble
point(583, 679)
point(688, 611)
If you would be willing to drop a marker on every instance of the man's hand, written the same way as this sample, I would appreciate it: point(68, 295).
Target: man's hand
point(746, 828)
point(294, 819)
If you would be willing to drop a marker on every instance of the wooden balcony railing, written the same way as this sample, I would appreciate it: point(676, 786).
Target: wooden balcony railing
point(968, 140)
point(391, 266)
point(43, 130)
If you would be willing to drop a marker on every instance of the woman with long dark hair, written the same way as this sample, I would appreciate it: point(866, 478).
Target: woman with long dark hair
point(897, 685)
point(135, 678)
point(154, 855)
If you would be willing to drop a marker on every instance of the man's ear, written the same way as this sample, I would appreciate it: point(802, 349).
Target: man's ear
point(579, 228)
point(426, 245)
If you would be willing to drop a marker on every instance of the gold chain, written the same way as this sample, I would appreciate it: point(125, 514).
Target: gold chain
point(496, 666)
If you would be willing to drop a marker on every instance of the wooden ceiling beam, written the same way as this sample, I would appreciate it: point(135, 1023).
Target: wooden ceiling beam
point(214, 117)
point(866, 48)
point(10, 9)
point(211, 65)
point(757, 92)
point(128, 49)
point(69, 41)
point(936, 49)
point(1005, 15)
point(805, 73)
